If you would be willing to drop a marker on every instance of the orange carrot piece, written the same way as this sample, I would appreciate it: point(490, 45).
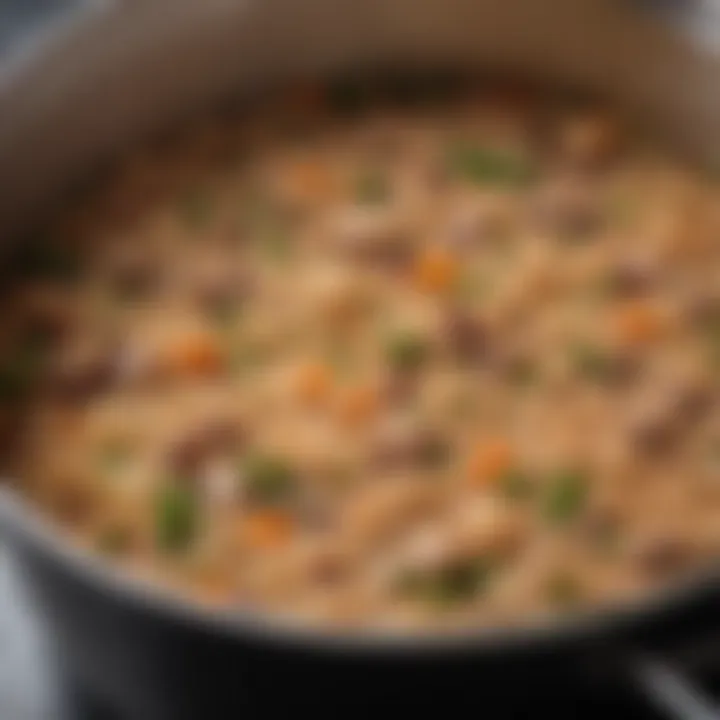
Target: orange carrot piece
point(358, 405)
point(266, 529)
point(312, 383)
point(638, 322)
point(489, 460)
point(435, 270)
point(195, 354)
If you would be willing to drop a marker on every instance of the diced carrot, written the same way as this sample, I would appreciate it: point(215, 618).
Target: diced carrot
point(489, 460)
point(638, 322)
point(195, 354)
point(435, 270)
point(266, 529)
point(312, 383)
point(357, 405)
point(309, 181)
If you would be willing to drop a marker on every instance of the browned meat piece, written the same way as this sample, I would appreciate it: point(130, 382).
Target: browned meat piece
point(486, 219)
point(466, 336)
point(408, 445)
point(85, 369)
point(631, 279)
point(220, 285)
point(375, 237)
point(589, 142)
point(600, 527)
point(401, 386)
point(134, 270)
point(704, 309)
point(567, 207)
point(693, 404)
point(45, 313)
point(662, 556)
point(659, 428)
point(187, 455)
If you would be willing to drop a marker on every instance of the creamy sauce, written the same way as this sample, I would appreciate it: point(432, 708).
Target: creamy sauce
point(407, 368)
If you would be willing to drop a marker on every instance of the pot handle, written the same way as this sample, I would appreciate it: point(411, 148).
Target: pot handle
point(671, 691)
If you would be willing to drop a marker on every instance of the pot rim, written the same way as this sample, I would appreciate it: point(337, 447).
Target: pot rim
point(27, 528)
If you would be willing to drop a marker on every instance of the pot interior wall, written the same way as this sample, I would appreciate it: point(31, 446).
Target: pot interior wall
point(96, 84)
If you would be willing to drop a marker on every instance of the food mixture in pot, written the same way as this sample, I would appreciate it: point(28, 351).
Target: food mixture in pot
point(447, 358)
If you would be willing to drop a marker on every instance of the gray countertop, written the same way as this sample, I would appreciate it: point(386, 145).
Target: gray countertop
point(26, 682)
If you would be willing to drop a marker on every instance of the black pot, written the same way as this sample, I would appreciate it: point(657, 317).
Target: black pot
point(97, 80)
point(150, 655)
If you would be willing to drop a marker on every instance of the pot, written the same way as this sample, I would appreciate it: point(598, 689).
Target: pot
point(100, 77)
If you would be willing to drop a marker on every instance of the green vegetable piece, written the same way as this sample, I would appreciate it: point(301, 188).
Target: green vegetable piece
point(522, 373)
point(591, 362)
point(247, 357)
point(275, 242)
point(516, 485)
point(113, 541)
point(563, 589)
point(566, 497)
point(268, 226)
point(712, 336)
point(225, 314)
point(372, 188)
point(406, 351)
point(489, 166)
point(462, 581)
point(269, 480)
point(196, 209)
point(115, 456)
point(177, 518)
point(454, 584)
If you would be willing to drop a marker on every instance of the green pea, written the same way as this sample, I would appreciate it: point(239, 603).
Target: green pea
point(566, 497)
point(176, 517)
point(454, 584)
point(196, 209)
point(406, 351)
point(591, 362)
point(268, 479)
point(488, 166)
